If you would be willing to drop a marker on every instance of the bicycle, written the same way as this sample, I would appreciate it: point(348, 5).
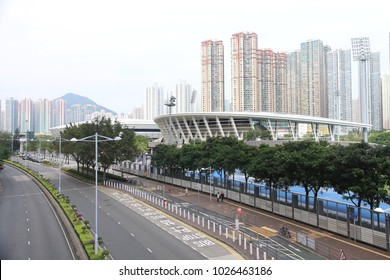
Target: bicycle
point(283, 231)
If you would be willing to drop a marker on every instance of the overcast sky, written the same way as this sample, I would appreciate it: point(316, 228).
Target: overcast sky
point(111, 50)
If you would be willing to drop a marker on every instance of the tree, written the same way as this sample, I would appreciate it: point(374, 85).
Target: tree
point(166, 156)
point(5, 145)
point(266, 165)
point(257, 133)
point(379, 137)
point(192, 157)
point(360, 173)
point(109, 152)
point(306, 165)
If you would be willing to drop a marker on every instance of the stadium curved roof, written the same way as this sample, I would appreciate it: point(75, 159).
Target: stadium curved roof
point(192, 126)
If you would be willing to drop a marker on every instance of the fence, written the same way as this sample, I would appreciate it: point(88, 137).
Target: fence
point(360, 224)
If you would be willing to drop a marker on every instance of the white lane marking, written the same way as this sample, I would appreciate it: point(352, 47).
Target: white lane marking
point(296, 249)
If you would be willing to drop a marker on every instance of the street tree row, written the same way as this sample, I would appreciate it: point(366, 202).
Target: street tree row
point(360, 172)
point(128, 147)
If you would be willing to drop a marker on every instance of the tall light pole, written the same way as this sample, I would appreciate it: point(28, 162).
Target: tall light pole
point(59, 161)
point(209, 168)
point(59, 165)
point(95, 138)
point(361, 52)
point(170, 105)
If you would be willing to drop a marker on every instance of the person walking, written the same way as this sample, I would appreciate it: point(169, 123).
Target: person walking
point(222, 196)
point(186, 192)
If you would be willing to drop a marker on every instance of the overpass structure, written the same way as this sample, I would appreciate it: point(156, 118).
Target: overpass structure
point(186, 127)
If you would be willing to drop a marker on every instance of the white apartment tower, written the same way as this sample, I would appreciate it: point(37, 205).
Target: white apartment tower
point(11, 115)
point(183, 93)
point(313, 95)
point(26, 115)
point(42, 110)
point(376, 91)
point(213, 91)
point(244, 78)
point(386, 100)
point(57, 114)
point(293, 82)
point(154, 101)
point(339, 85)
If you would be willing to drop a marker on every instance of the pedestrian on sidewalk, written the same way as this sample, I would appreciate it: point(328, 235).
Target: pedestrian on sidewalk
point(186, 192)
point(217, 196)
point(222, 196)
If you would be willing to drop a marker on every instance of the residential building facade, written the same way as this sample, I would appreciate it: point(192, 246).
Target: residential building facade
point(213, 79)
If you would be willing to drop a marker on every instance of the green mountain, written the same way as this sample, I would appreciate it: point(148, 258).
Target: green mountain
point(72, 99)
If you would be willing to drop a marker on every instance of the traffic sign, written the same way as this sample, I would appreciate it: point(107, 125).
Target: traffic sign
point(342, 255)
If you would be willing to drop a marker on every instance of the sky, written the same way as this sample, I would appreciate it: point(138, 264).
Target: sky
point(110, 51)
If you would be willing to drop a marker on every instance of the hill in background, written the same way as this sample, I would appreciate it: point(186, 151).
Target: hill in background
point(72, 99)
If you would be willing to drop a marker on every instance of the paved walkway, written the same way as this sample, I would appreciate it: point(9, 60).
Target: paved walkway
point(328, 245)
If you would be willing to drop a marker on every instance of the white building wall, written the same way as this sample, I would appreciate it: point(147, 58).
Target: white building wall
point(386, 100)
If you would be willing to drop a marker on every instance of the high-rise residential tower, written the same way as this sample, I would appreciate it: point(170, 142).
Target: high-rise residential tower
point(154, 101)
point(313, 95)
point(11, 115)
point(57, 115)
point(182, 91)
point(244, 78)
point(42, 110)
point(376, 91)
point(386, 100)
point(213, 89)
point(272, 85)
point(293, 82)
point(339, 85)
point(26, 115)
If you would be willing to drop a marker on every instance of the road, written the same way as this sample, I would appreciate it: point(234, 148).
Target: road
point(126, 233)
point(29, 228)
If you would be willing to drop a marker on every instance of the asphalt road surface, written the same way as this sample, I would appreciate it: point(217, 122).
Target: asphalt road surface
point(126, 233)
point(29, 227)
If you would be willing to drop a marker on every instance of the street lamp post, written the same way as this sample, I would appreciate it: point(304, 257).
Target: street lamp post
point(170, 105)
point(59, 161)
point(59, 166)
point(95, 138)
point(209, 179)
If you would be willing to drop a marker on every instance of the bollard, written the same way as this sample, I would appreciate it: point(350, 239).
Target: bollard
point(244, 243)
point(265, 255)
point(250, 249)
point(257, 253)
point(239, 239)
point(208, 224)
point(227, 233)
point(220, 229)
point(234, 236)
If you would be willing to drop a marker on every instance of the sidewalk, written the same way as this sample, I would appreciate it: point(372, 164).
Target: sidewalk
point(328, 245)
